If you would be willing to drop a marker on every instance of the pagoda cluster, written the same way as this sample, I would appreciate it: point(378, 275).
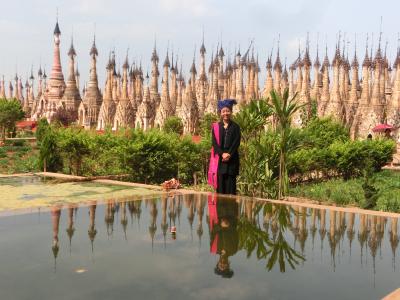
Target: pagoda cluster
point(132, 99)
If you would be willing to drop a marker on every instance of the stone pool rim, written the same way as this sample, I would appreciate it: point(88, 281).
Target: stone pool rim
point(293, 201)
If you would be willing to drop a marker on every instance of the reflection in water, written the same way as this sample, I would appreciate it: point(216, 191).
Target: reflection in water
point(277, 235)
point(55, 220)
point(70, 229)
point(224, 238)
point(92, 225)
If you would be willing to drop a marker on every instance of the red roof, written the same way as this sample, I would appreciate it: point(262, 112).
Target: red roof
point(26, 124)
point(382, 128)
point(196, 139)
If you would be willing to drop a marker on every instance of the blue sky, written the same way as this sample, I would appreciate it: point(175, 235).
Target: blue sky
point(26, 28)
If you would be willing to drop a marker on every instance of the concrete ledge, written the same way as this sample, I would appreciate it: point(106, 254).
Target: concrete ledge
point(15, 175)
point(132, 184)
point(61, 176)
point(395, 295)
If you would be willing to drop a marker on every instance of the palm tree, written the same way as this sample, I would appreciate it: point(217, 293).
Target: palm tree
point(284, 109)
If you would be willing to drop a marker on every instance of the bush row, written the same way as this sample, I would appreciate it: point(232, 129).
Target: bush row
point(348, 159)
point(151, 157)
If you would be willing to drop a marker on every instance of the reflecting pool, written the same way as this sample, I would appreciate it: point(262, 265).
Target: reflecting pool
point(197, 247)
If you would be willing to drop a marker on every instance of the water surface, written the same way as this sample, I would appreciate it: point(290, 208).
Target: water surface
point(196, 247)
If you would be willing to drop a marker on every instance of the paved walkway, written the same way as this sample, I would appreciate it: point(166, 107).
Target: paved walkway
point(393, 296)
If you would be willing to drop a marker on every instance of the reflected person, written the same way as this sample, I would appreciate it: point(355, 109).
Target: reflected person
point(224, 238)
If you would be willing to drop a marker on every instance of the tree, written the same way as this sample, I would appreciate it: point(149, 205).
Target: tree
point(10, 112)
point(42, 128)
point(49, 152)
point(75, 144)
point(173, 125)
point(284, 109)
point(206, 123)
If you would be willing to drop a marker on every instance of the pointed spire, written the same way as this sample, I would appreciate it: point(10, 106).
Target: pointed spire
point(93, 50)
point(397, 59)
point(166, 61)
point(326, 63)
point(366, 62)
point(57, 29)
point(72, 51)
point(193, 67)
point(154, 56)
point(31, 77)
point(277, 64)
point(202, 47)
point(354, 63)
point(306, 58)
point(126, 63)
point(221, 52)
point(317, 64)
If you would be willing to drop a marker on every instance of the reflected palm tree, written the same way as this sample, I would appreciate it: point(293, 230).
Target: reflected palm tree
point(253, 239)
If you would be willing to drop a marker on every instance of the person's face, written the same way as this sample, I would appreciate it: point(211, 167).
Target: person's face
point(225, 223)
point(226, 114)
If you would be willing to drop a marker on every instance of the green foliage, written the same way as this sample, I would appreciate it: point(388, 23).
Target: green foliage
point(284, 110)
point(343, 157)
point(321, 132)
point(42, 128)
point(49, 151)
point(308, 112)
point(259, 166)
point(385, 191)
point(205, 125)
point(74, 145)
point(151, 157)
point(10, 112)
point(173, 125)
point(189, 159)
point(257, 174)
point(252, 119)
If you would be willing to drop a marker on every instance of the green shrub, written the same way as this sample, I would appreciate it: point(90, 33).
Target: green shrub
point(321, 132)
point(74, 144)
point(348, 159)
point(42, 128)
point(19, 143)
point(205, 124)
point(3, 152)
point(151, 157)
point(173, 125)
point(189, 159)
point(49, 151)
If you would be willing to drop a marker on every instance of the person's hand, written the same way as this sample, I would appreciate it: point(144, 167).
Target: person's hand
point(226, 156)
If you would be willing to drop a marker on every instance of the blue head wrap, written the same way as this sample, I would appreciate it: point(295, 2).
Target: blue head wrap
point(226, 103)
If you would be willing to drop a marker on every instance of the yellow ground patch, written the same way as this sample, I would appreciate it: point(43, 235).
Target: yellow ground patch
point(32, 195)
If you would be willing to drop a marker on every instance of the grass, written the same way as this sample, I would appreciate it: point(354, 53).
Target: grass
point(18, 157)
point(350, 192)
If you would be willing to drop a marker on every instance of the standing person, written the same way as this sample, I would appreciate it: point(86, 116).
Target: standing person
point(226, 146)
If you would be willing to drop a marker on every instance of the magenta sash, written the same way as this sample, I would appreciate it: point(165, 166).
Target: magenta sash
point(213, 220)
point(214, 159)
